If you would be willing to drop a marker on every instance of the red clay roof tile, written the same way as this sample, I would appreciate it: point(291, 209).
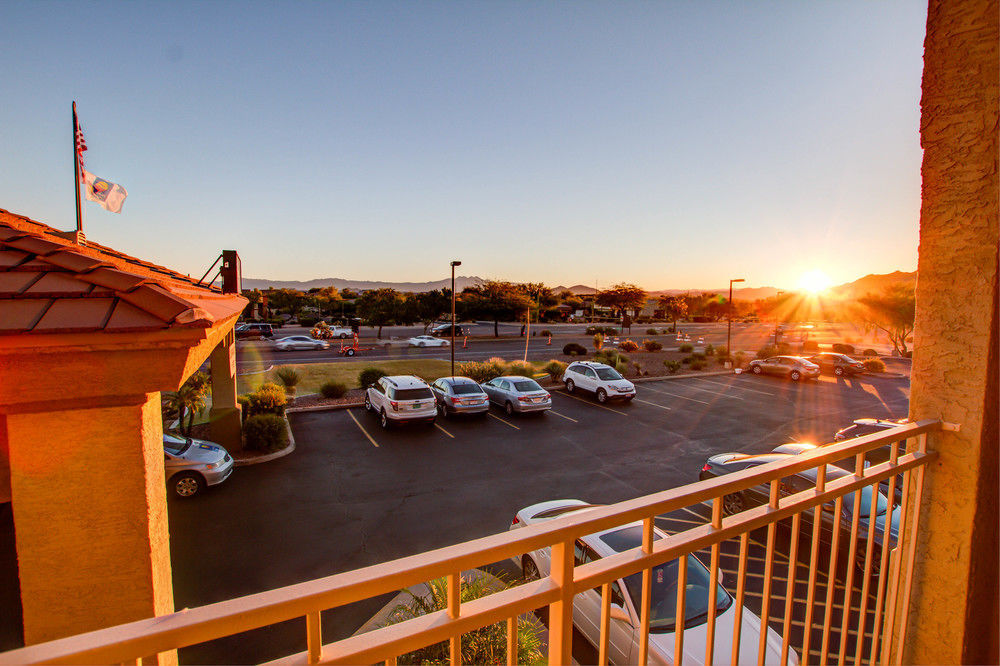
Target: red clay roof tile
point(75, 314)
point(57, 284)
point(18, 315)
point(114, 279)
point(74, 262)
point(14, 283)
point(127, 317)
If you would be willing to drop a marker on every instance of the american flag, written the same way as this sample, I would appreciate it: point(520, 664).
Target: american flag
point(81, 145)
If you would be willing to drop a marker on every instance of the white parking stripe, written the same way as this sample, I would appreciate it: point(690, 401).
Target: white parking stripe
point(724, 395)
point(735, 385)
point(647, 387)
point(647, 402)
point(592, 404)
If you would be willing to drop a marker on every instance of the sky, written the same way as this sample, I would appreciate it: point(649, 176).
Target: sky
point(673, 145)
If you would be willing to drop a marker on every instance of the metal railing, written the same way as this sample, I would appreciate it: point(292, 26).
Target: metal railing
point(887, 574)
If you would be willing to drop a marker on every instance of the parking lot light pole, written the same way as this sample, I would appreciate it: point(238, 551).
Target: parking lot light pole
point(453, 264)
point(729, 320)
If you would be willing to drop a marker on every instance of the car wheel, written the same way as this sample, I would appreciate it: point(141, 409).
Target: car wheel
point(859, 560)
point(757, 370)
point(442, 410)
point(384, 420)
point(838, 371)
point(187, 484)
point(368, 402)
point(343, 336)
point(733, 504)
point(602, 395)
point(795, 376)
point(509, 408)
point(349, 352)
point(421, 344)
point(570, 386)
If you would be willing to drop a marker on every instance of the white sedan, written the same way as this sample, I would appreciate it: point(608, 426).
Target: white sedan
point(298, 342)
point(626, 597)
point(427, 341)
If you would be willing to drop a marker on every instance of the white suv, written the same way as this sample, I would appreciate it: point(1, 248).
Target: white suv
point(401, 399)
point(602, 380)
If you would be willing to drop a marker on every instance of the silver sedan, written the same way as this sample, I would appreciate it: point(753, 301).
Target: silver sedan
point(517, 394)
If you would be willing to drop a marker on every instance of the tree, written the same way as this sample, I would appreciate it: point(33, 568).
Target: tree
point(673, 306)
point(496, 300)
point(189, 399)
point(325, 299)
point(429, 306)
point(380, 307)
point(621, 298)
point(348, 294)
point(289, 300)
point(892, 311)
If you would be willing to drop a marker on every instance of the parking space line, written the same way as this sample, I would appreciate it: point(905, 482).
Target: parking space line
point(647, 402)
point(444, 431)
point(650, 388)
point(502, 421)
point(724, 395)
point(552, 411)
point(362, 428)
point(742, 388)
point(587, 402)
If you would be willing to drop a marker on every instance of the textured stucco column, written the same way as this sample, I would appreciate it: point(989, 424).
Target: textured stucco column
point(224, 417)
point(953, 609)
point(90, 517)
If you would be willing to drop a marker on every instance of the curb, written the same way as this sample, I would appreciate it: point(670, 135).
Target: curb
point(270, 456)
point(323, 408)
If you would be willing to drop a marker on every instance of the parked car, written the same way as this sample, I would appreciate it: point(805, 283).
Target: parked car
point(727, 463)
point(401, 399)
point(517, 394)
point(873, 457)
point(427, 341)
point(862, 427)
point(602, 380)
point(254, 330)
point(191, 465)
point(626, 598)
point(459, 395)
point(792, 367)
point(838, 364)
point(300, 342)
point(444, 330)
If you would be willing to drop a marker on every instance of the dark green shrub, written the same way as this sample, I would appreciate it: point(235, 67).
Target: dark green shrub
point(650, 331)
point(369, 376)
point(265, 432)
point(709, 350)
point(574, 349)
point(651, 345)
point(333, 390)
point(869, 352)
point(698, 365)
point(810, 345)
point(686, 360)
point(686, 348)
point(555, 369)
point(267, 399)
point(671, 366)
point(628, 346)
point(874, 365)
point(843, 348)
point(767, 351)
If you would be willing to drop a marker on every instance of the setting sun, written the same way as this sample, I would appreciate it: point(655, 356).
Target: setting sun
point(814, 281)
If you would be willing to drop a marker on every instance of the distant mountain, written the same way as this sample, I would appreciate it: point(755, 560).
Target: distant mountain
point(578, 289)
point(461, 282)
point(873, 284)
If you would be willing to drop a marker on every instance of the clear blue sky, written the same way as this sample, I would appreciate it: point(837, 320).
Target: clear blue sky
point(670, 144)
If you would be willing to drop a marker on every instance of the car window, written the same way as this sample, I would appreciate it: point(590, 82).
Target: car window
point(589, 373)
point(466, 389)
point(583, 554)
point(527, 385)
point(608, 374)
point(413, 393)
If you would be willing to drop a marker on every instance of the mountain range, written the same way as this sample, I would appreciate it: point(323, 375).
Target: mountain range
point(867, 284)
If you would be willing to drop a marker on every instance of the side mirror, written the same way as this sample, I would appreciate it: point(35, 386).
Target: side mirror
point(620, 614)
point(720, 577)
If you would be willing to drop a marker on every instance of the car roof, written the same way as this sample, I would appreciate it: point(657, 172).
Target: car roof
point(885, 423)
point(594, 540)
point(458, 380)
point(515, 377)
point(406, 381)
point(591, 364)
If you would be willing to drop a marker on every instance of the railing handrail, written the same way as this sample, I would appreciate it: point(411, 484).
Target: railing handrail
point(205, 623)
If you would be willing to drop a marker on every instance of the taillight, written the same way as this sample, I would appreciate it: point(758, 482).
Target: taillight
point(456, 401)
point(524, 398)
point(515, 521)
point(706, 468)
point(395, 405)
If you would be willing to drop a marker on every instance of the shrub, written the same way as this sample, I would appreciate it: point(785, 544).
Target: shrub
point(244, 402)
point(842, 348)
point(265, 432)
point(628, 346)
point(333, 390)
point(869, 352)
point(783, 348)
point(610, 356)
point(698, 365)
point(267, 399)
point(697, 356)
point(651, 345)
point(671, 365)
point(598, 341)
point(686, 360)
point(555, 369)
point(601, 330)
point(767, 351)
point(874, 365)
point(722, 353)
point(637, 369)
point(650, 331)
point(520, 368)
point(709, 350)
point(739, 359)
point(573, 349)
point(482, 371)
point(686, 348)
point(810, 345)
point(369, 376)
point(308, 322)
point(289, 377)
point(545, 333)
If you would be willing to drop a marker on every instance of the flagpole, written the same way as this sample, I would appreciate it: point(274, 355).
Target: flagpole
point(76, 172)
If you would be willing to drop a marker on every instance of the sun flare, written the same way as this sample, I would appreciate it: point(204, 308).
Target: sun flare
point(815, 281)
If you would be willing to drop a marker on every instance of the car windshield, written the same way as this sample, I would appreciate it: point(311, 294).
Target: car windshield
point(175, 445)
point(466, 389)
point(527, 385)
point(864, 511)
point(413, 394)
point(607, 373)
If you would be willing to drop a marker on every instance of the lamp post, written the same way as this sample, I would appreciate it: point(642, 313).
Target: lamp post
point(453, 264)
point(729, 319)
point(777, 322)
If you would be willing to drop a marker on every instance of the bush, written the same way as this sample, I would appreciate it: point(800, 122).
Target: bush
point(521, 369)
point(841, 348)
point(637, 369)
point(628, 346)
point(289, 377)
point(308, 322)
point(333, 390)
point(739, 359)
point(267, 399)
point(602, 330)
point(650, 331)
point(555, 369)
point(545, 333)
point(721, 353)
point(767, 351)
point(709, 350)
point(686, 348)
point(369, 376)
point(613, 358)
point(265, 432)
point(869, 352)
point(598, 341)
point(244, 402)
point(810, 345)
point(874, 365)
point(697, 356)
point(698, 365)
point(671, 365)
point(573, 349)
point(686, 360)
point(651, 345)
point(482, 371)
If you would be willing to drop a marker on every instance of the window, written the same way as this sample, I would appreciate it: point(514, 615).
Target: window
point(527, 385)
point(589, 372)
point(413, 394)
point(608, 374)
point(466, 389)
point(584, 554)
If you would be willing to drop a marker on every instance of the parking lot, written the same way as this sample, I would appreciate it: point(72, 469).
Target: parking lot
point(353, 494)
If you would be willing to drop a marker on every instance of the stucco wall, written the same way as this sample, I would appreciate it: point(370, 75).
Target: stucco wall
point(956, 286)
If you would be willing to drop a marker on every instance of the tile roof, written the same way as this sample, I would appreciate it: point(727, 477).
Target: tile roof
point(49, 284)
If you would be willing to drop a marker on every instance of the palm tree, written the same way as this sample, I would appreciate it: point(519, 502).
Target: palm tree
point(190, 398)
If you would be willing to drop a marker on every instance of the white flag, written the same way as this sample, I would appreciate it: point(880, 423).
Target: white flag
point(110, 195)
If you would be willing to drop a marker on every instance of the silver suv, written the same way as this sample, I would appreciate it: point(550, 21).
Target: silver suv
point(401, 399)
point(602, 380)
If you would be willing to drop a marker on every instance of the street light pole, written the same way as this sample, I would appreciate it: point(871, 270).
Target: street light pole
point(729, 319)
point(453, 264)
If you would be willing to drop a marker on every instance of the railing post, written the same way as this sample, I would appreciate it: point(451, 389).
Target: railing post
point(561, 611)
point(454, 607)
point(647, 585)
point(314, 637)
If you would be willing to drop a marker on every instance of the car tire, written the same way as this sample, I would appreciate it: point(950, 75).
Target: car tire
point(794, 375)
point(187, 484)
point(349, 352)
point(343, 336)
point(421, 344)
point(838, 371)
point(509, 408)
point(442, 410)
point(602, 396)
point(368, 402)
point(757, 370)
point(384, 420)
point(570, 386)
point(733, 504)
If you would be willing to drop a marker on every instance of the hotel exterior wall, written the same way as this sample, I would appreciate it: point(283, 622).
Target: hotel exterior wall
point(956, 297)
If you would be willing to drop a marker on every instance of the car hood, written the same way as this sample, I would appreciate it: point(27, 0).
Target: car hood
point(696, 637)
point(203, 452)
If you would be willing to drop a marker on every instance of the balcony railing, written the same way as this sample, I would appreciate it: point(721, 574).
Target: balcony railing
point(877, 625)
